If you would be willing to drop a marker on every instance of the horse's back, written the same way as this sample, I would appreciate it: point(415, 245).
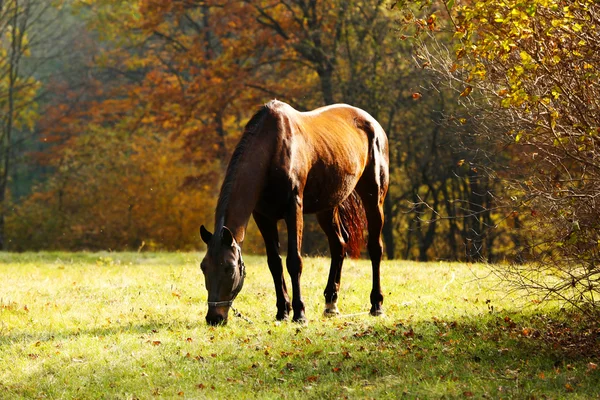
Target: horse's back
point(338, 130)
point(324, 152)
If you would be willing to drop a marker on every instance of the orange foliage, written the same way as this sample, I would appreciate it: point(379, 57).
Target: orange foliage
point(140, 146)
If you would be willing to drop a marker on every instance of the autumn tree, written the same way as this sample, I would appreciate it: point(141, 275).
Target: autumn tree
point(169, 87)
point(530, 73)
point(170, 73)
point(30, 40)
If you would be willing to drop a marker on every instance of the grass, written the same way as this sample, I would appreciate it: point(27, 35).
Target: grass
point(129, 325)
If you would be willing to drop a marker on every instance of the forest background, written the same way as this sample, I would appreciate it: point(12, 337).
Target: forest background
point(118, 118)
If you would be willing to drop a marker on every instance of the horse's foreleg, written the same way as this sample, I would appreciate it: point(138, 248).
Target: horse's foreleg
point(329, 222)
point(295, 222)
point(268, 230)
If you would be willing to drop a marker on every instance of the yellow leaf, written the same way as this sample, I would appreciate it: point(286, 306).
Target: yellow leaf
point(467, 91)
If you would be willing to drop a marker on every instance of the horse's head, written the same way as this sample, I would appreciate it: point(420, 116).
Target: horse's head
point(224, 273)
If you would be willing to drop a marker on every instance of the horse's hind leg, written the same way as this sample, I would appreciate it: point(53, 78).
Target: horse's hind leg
point(268, 229)
point(330, 223)
point(372, 189)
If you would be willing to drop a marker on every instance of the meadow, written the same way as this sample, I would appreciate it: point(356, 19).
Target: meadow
point(131, 326)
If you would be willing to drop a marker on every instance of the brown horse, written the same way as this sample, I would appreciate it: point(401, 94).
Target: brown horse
point(289, 163)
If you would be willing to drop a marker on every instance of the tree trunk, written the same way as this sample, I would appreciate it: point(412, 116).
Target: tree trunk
point(15, 52)
point(427, 240)
point(388, 229)
point(326, 78)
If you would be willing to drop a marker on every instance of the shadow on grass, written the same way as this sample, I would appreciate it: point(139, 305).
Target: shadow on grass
point(149, 326)
point(508, 355)
point(496, 355)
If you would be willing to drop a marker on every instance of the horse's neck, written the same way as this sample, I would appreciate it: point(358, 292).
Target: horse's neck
point(241, 191)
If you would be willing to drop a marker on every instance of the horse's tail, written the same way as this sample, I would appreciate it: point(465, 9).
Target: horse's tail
point(353, 222)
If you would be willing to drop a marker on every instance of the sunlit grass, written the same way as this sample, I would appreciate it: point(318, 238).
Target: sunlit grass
point(129, 325)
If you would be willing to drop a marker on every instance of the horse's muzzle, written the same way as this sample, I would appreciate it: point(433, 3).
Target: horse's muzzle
point(217, 315)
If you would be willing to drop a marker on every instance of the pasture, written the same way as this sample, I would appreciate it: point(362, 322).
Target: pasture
point(129, 325)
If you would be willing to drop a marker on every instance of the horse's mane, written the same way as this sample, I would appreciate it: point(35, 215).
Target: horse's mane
point(252, 127)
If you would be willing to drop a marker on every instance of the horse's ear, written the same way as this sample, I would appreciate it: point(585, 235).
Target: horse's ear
point(205, 235)
point(227, 237)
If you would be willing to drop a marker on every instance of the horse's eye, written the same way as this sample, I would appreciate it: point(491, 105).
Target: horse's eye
point(229, 268)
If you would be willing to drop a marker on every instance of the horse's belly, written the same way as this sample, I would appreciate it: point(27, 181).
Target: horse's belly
point(325, 191)
point(321, 192)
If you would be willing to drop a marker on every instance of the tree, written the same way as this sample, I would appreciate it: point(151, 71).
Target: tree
point(17, 90)
point(34, 36)
point(163, 74)
point(531, 69)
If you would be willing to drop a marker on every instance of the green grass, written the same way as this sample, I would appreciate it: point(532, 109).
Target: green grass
point(128, 325)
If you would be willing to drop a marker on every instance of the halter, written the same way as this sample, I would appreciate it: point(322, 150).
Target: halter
point(228, 303)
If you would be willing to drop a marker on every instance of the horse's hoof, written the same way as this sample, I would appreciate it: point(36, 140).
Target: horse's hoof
point(302, 320)
point(282, 316)
point(331, 310)
point(283, 313)
point(376, 312)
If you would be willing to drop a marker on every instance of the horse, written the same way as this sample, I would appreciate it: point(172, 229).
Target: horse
point(328, 162)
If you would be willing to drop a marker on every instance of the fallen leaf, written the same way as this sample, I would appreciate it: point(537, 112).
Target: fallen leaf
point(416, 95)
point(569, 388)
